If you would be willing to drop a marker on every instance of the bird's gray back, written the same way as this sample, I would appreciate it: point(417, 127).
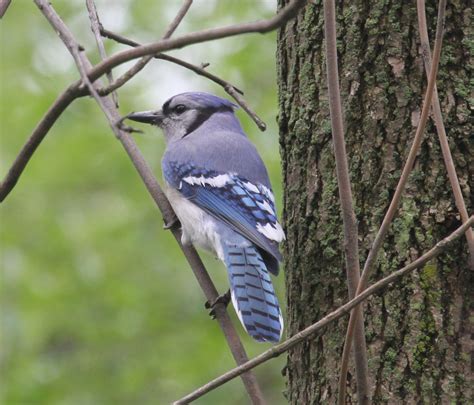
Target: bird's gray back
point(221, 151)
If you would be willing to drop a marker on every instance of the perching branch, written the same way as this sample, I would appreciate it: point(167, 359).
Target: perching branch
point(310, 331)
point(75, 91)
point(377, 244)
point(351, 245)
point(443, 139)
point(110, 110)
point(229, 88)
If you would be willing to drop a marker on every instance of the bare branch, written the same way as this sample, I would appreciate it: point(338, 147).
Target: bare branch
point(4, 6)
point(376, 245)
point(120, 39)
point(76, 51)
point(310, 331)
point(198, 70)
point(38, 134)
point(443, 139)
point(351, 244)
point(128, 75)
point(177, 20)
point(95, 26)
point(153, 187)
point(229, 88)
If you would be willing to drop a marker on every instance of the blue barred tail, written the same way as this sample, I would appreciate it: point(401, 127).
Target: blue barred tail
point(252, 293)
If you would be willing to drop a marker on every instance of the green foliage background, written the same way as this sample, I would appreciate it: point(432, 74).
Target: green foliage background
point(98, 306)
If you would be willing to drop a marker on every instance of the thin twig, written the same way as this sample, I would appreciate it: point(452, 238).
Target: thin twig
point(62, 101)
point(74, 49)
point(153, 187)
point(376, 245)
point(95, 26)
point(128, 75)
point(38, 134)
point(4, 6)
point(307, 333)
point(443, 139)
point(229, 88)
point(351, 245)
point(178, 18)
point(240, 101)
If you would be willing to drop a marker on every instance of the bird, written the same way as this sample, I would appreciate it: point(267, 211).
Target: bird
point(220, 191)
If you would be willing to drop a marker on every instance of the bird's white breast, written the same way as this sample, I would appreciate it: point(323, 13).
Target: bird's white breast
point(199, 228)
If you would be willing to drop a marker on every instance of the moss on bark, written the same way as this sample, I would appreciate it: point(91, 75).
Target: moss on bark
point(418, 332)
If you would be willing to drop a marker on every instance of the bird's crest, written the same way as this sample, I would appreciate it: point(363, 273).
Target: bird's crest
point(206, 100)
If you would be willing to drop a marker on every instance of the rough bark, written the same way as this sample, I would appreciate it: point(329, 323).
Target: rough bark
point(418, 332)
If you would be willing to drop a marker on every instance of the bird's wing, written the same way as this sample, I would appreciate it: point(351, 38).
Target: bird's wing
point(247, 208)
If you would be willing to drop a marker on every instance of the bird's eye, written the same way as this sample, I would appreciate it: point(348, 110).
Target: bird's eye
point(180, 108)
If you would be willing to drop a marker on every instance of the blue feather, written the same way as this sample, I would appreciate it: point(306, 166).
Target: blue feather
point(237, 203)
point(210, 100)
point(252, 293)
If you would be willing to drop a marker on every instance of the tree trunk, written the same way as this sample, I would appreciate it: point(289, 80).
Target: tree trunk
point(418, 332)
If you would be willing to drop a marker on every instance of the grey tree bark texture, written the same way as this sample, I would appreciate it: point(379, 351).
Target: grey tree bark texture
point(418, 333)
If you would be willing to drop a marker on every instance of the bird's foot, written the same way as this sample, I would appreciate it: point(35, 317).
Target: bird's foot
point(120, 125)
point(171, 224)
point(223, 299)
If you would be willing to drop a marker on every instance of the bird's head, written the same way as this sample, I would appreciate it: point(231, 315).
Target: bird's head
point(184, 113)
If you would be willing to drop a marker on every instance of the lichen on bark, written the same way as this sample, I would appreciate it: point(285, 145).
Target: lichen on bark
point(418, 332)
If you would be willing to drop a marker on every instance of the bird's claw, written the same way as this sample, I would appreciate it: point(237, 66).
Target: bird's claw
point(172, 223)
point(223, 299)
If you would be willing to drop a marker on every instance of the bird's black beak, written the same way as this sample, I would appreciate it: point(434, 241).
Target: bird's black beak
point(148, 117)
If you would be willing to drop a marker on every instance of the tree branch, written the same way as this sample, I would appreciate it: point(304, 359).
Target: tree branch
point(127, 76)
point(38, 134)
point(4, 6)
point(443, 139)
point(109, 109)
point(307, 333)
point(231, 90)
point(177, 19)
point(95, 26)
point(201, 36)
point(377, 244)
point(351, 245)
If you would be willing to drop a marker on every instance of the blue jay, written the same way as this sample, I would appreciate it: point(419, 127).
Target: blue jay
point(220, 191)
